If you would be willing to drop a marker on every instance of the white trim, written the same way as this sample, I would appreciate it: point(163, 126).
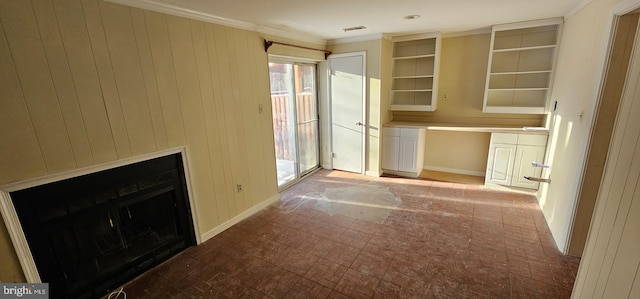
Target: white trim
point(624, 7)
point(181, 11)
point(467, 33)
point(246, 214)
point(373, 173)
point(527, 24)
point(361, 38)
point(454, 170)
point(12, 221)
point(577, 8)
point(18, 238)
point(291, 59)
point(409, 37)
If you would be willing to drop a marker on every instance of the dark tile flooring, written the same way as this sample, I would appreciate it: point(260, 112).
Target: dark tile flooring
point(445, 240)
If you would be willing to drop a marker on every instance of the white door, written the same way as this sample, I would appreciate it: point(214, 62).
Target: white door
point(347, 95)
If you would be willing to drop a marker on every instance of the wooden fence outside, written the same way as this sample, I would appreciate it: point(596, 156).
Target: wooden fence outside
point(282, 128)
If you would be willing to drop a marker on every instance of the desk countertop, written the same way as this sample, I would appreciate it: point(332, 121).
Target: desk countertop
point(469, 127)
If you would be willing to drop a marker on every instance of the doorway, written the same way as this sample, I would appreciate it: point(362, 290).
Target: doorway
point(347, 95)
point(295, 119)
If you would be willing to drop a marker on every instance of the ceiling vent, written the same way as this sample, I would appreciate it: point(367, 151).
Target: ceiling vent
point(354, 28)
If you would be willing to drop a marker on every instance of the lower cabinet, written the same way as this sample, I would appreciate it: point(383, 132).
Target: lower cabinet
point(403, 151)
point(510, 159)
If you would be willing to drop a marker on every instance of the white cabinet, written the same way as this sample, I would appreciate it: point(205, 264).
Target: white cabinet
point(521, 64)
point(510, 158)
point(500, 163)
point(414, 82)
point(403, 150)
point(525, 154)
point(390, 149)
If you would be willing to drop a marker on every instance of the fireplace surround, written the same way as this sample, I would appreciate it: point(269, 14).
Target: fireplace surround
point(89, 230)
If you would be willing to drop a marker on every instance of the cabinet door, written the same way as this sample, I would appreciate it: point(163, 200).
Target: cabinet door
point(500, 163)
point(525, 154)
point(390, 152)
point(408, 154)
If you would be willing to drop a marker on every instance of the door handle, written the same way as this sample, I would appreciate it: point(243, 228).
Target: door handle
point(359, 124)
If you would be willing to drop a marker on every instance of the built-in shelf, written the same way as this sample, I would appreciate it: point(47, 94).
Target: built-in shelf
point(521, 67)
point(524, 48)
point(413, 57)
point(522, 73)
point(414, 83)
point(532, 88)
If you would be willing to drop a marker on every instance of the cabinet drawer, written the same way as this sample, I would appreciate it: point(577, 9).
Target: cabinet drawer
point(409, 133)
point(529, 139)
point(391, 131)
point(504, 138)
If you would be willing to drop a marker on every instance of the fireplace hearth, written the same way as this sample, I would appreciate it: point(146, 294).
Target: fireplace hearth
point(91, 233)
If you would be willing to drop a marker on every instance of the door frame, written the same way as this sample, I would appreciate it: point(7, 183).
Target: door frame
point(365, 117)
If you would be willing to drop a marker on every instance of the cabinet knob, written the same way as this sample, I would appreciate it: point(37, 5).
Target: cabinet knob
point(359, 124)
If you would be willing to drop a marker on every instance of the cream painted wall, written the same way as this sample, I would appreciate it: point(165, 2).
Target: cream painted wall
point(457, 152)
point(84, 82)
point(582, 49)
point(374, 98)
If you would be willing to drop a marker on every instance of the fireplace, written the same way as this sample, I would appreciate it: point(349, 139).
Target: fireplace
point(91, 233)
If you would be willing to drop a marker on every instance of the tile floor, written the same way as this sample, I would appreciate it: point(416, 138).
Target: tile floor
point(445, 240)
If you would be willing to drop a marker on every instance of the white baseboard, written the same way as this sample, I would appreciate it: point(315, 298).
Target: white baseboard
point(373, 173)
point(454, 170)
point(231, 222)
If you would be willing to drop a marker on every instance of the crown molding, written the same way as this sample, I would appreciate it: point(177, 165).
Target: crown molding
point(181, 11)
point(360, 38)
point(577, 8)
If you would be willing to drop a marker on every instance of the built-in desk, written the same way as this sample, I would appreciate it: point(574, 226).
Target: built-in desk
point(454, 148)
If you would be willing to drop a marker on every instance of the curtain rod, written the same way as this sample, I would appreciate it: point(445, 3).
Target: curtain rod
point(269, 43)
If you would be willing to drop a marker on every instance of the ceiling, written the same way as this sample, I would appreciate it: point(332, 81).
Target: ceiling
point(325, 19)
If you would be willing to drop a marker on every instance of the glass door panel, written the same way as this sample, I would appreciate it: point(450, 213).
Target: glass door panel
point(307, 118)
point(295, 119)
point(282, 95)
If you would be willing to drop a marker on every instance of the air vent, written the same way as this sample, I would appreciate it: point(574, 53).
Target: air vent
point(354, 28)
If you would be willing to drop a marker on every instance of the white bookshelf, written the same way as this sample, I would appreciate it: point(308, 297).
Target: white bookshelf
point(416, 61)
point(521, 67)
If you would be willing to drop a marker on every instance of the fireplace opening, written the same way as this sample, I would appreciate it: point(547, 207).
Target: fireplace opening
point(91, 233)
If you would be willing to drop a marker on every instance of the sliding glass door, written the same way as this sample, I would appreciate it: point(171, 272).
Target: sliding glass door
point(295, 119)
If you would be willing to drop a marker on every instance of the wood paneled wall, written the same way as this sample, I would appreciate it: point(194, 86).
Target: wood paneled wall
point(84, 82)
point(610, 266)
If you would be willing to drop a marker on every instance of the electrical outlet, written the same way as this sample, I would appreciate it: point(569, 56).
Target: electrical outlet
point(239, 187)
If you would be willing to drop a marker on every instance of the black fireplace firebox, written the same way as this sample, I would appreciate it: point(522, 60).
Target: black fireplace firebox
point(91, 233)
